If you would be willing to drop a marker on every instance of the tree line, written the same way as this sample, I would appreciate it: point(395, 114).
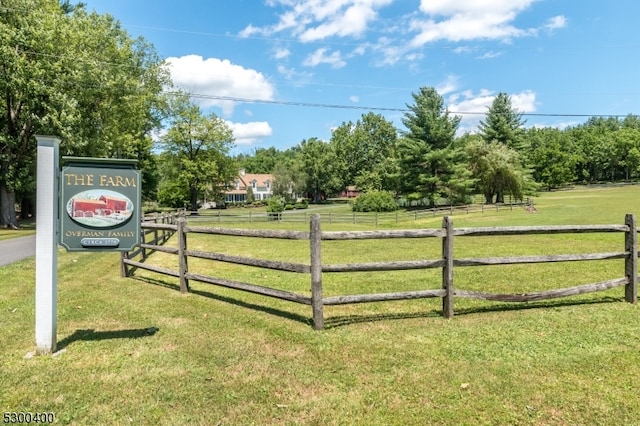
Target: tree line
point(428, 163)
point(80, 76)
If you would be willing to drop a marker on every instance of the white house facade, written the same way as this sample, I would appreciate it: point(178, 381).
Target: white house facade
point(261, 186)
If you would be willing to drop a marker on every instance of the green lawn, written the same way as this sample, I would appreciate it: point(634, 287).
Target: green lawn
point(136, 351)
point(27, 227)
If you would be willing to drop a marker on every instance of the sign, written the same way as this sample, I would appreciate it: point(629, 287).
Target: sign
point(99, 204)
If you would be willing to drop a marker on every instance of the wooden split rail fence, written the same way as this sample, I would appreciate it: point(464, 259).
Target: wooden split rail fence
point(446, 263)
point(373, 218)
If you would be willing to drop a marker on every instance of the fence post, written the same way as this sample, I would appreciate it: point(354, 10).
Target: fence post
point(124, 271)
point(447, 269)
point(631, 261)
point(182, 255)
point(155, 230)
point(316, 273)
point(143, 240)
point(164, 219)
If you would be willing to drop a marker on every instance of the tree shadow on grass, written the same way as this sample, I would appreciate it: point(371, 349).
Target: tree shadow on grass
point(247, 305)
point(93, 335)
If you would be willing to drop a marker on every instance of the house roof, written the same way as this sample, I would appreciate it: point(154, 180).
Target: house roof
point(244, 181)
point(261, 179)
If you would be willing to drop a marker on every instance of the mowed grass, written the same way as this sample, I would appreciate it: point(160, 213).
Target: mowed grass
point(27, 227)
point(136, 351)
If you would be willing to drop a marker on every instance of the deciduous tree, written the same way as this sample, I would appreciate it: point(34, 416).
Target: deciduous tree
point(363, 151)
point(320, 166)
point(76, 75)
point(198, 145)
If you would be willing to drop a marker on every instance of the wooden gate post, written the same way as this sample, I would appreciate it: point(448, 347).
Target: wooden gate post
point(631, 261)
point(316, 272)
point(447, 268)
point(182, 255)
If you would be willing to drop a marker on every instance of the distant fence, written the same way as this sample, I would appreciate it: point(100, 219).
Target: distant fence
point(372, 218)
point(446, 262)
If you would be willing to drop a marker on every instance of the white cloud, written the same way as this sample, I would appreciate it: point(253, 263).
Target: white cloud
point(297, 78)
point(489, 55)
point(313, 20)
point(250, 133)
point(556, 22)
point(463, 20)
point(218, 78)
point(472, 106)
point(354, 98)
point(430, 21)
point(454, 7)
point(281, 53)
point(321, 56)
point(524, 101)
point(447, 86)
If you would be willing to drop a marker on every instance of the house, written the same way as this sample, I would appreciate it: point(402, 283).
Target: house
point(261, 186)
point(349, 192)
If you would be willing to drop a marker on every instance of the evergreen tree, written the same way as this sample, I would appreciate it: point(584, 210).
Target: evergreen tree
point(503, 123)
point(425, 151)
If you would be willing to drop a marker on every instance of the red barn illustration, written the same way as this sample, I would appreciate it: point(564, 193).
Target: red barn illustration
point(114, 203)
point(80, 206)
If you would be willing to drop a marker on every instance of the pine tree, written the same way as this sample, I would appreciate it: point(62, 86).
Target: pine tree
point(425, 152)
point(503, 123)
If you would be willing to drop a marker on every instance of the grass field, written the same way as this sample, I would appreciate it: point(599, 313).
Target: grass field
point(136, 351)
point(27, 227)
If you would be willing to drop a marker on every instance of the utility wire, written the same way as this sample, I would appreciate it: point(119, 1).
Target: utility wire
point(388, 109)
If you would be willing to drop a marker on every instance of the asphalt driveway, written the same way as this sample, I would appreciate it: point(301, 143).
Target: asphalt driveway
point(15, 249)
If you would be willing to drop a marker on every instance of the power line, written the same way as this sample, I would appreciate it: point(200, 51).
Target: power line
point(387, 109)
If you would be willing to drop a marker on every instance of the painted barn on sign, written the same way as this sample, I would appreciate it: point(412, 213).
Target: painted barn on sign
point(87, 208)
point(114, 204)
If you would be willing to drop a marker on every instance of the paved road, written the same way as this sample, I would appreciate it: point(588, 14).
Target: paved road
point(15, 249)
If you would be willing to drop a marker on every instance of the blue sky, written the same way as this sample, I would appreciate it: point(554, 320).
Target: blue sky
point(310, 65)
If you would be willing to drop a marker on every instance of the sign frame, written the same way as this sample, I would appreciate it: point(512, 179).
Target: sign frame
point(100, 204)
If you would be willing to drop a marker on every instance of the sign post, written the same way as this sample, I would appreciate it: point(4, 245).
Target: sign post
point(94, 205)
point(46, 244)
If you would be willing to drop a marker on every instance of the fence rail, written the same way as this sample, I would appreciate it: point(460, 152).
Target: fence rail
point(315, 268)
point(301, 216)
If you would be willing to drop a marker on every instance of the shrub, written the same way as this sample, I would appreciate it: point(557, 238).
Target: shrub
point(275, 206)
point(300, 206)
point(375, 201)
point(289, 207)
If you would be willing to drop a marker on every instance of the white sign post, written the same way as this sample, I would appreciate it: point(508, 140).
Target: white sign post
point(47, 188)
